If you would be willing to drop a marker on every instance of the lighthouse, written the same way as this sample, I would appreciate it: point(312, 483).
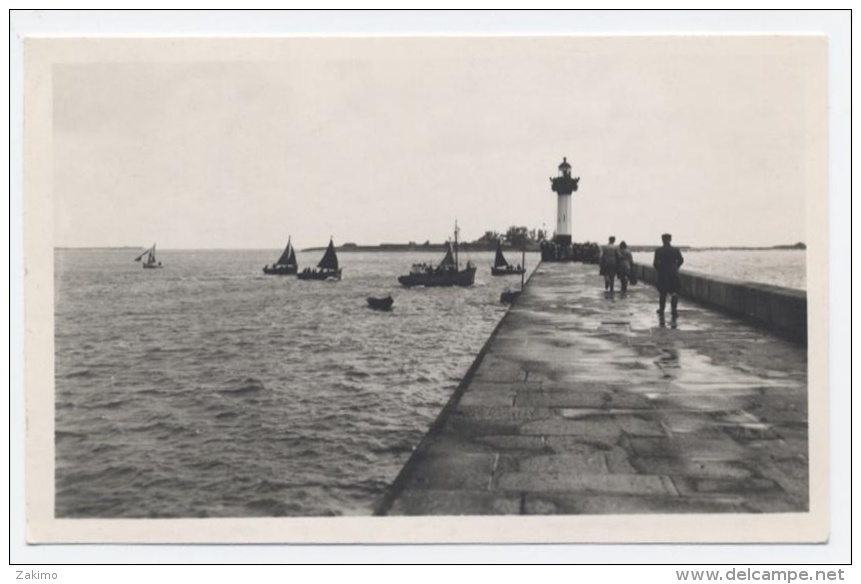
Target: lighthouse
point(563, 185)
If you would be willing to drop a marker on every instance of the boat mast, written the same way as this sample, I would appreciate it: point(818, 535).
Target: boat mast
point(456, 261)
point(523, 265)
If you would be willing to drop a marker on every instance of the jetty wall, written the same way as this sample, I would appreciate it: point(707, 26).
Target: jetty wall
point(780, 310)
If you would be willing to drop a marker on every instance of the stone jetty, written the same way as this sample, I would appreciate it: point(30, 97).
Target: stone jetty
point(581, 403)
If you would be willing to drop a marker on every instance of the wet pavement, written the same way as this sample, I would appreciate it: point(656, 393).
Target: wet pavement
point(584, 403)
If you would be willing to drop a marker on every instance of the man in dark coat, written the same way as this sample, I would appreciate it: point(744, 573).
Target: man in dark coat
point(668, 260)
point(607, 263)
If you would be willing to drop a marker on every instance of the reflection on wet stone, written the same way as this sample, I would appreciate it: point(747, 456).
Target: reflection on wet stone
point(592, 407)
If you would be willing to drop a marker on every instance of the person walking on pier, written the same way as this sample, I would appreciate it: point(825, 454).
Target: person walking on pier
point(607, 261)
point(668, 260)
point(624, 265)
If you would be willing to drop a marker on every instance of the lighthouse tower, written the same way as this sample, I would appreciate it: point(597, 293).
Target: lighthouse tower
point(563, 185)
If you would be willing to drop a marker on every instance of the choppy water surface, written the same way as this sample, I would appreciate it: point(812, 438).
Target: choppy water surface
point(783, 267)
point(209, 389)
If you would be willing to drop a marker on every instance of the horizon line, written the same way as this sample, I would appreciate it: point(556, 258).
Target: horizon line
point(350, 245)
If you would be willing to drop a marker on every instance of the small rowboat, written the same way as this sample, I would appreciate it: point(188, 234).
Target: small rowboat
point(509, 296)
point(381, 303)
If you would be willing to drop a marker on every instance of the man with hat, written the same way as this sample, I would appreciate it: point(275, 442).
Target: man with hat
point(668, 260)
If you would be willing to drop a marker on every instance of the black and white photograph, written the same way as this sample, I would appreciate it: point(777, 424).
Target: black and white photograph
point(406, 289)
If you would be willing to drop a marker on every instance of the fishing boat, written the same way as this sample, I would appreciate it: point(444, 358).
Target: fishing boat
point(446, 273)
point(384, 303)
point(150, 262)
point(501, 267)
point(286, 264)
point(327, 268)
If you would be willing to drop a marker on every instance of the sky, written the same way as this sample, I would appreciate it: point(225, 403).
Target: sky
point(246, 143)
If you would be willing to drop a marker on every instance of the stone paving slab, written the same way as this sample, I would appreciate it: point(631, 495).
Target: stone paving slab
point(489, 398)
point(562, 399)
point(507, 443)
point(614, 504)
point(691, 468)
point(575, 482)
point(588, 404)
point(559, 463)
point(605, 431)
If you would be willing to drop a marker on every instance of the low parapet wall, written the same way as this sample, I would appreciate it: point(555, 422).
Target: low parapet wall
point(781, 310)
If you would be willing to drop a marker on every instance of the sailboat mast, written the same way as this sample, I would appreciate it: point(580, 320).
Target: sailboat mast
point(456, 260)
point(523, 265)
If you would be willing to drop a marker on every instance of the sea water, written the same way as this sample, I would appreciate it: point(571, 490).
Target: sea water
point(209, 389)
point(784, 267)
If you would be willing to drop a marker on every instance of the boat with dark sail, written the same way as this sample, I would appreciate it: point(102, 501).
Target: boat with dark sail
point(446, 273)
point(327, 268)
point(286, 264)
point(501, 267)
point(150, 262)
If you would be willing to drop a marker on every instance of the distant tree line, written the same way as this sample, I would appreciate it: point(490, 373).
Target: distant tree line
point(516, 236)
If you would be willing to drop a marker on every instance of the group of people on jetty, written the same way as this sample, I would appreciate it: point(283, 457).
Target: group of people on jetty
point(617, 261)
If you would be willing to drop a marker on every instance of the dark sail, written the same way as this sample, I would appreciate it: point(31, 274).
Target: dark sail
point(150, 255)
point(150, 261)
point(286, 264)
point(140, 257)
point(288, 258)
point(499, 262)
point(448, 261)
point(330, 258)
point(501, 267)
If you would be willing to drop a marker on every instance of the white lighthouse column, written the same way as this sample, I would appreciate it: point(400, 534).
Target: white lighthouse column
point(563, 185)
point(563, 215)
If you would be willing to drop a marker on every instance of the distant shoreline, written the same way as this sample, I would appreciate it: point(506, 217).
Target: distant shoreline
point(437, 247)
point(535, 248)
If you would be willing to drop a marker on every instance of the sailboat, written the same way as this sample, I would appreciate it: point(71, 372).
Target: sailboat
point(510, 296)
point(150, 261)
point(501, 267)
point(446, 273)
point(286, 264)
point(327, 268)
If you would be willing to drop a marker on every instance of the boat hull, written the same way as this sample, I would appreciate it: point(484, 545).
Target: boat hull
point(152, 266)
point(506, 271)
point(280, 270)
point(509, 297)
point(320, 275)
point(381, 303)
point(440, 278)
